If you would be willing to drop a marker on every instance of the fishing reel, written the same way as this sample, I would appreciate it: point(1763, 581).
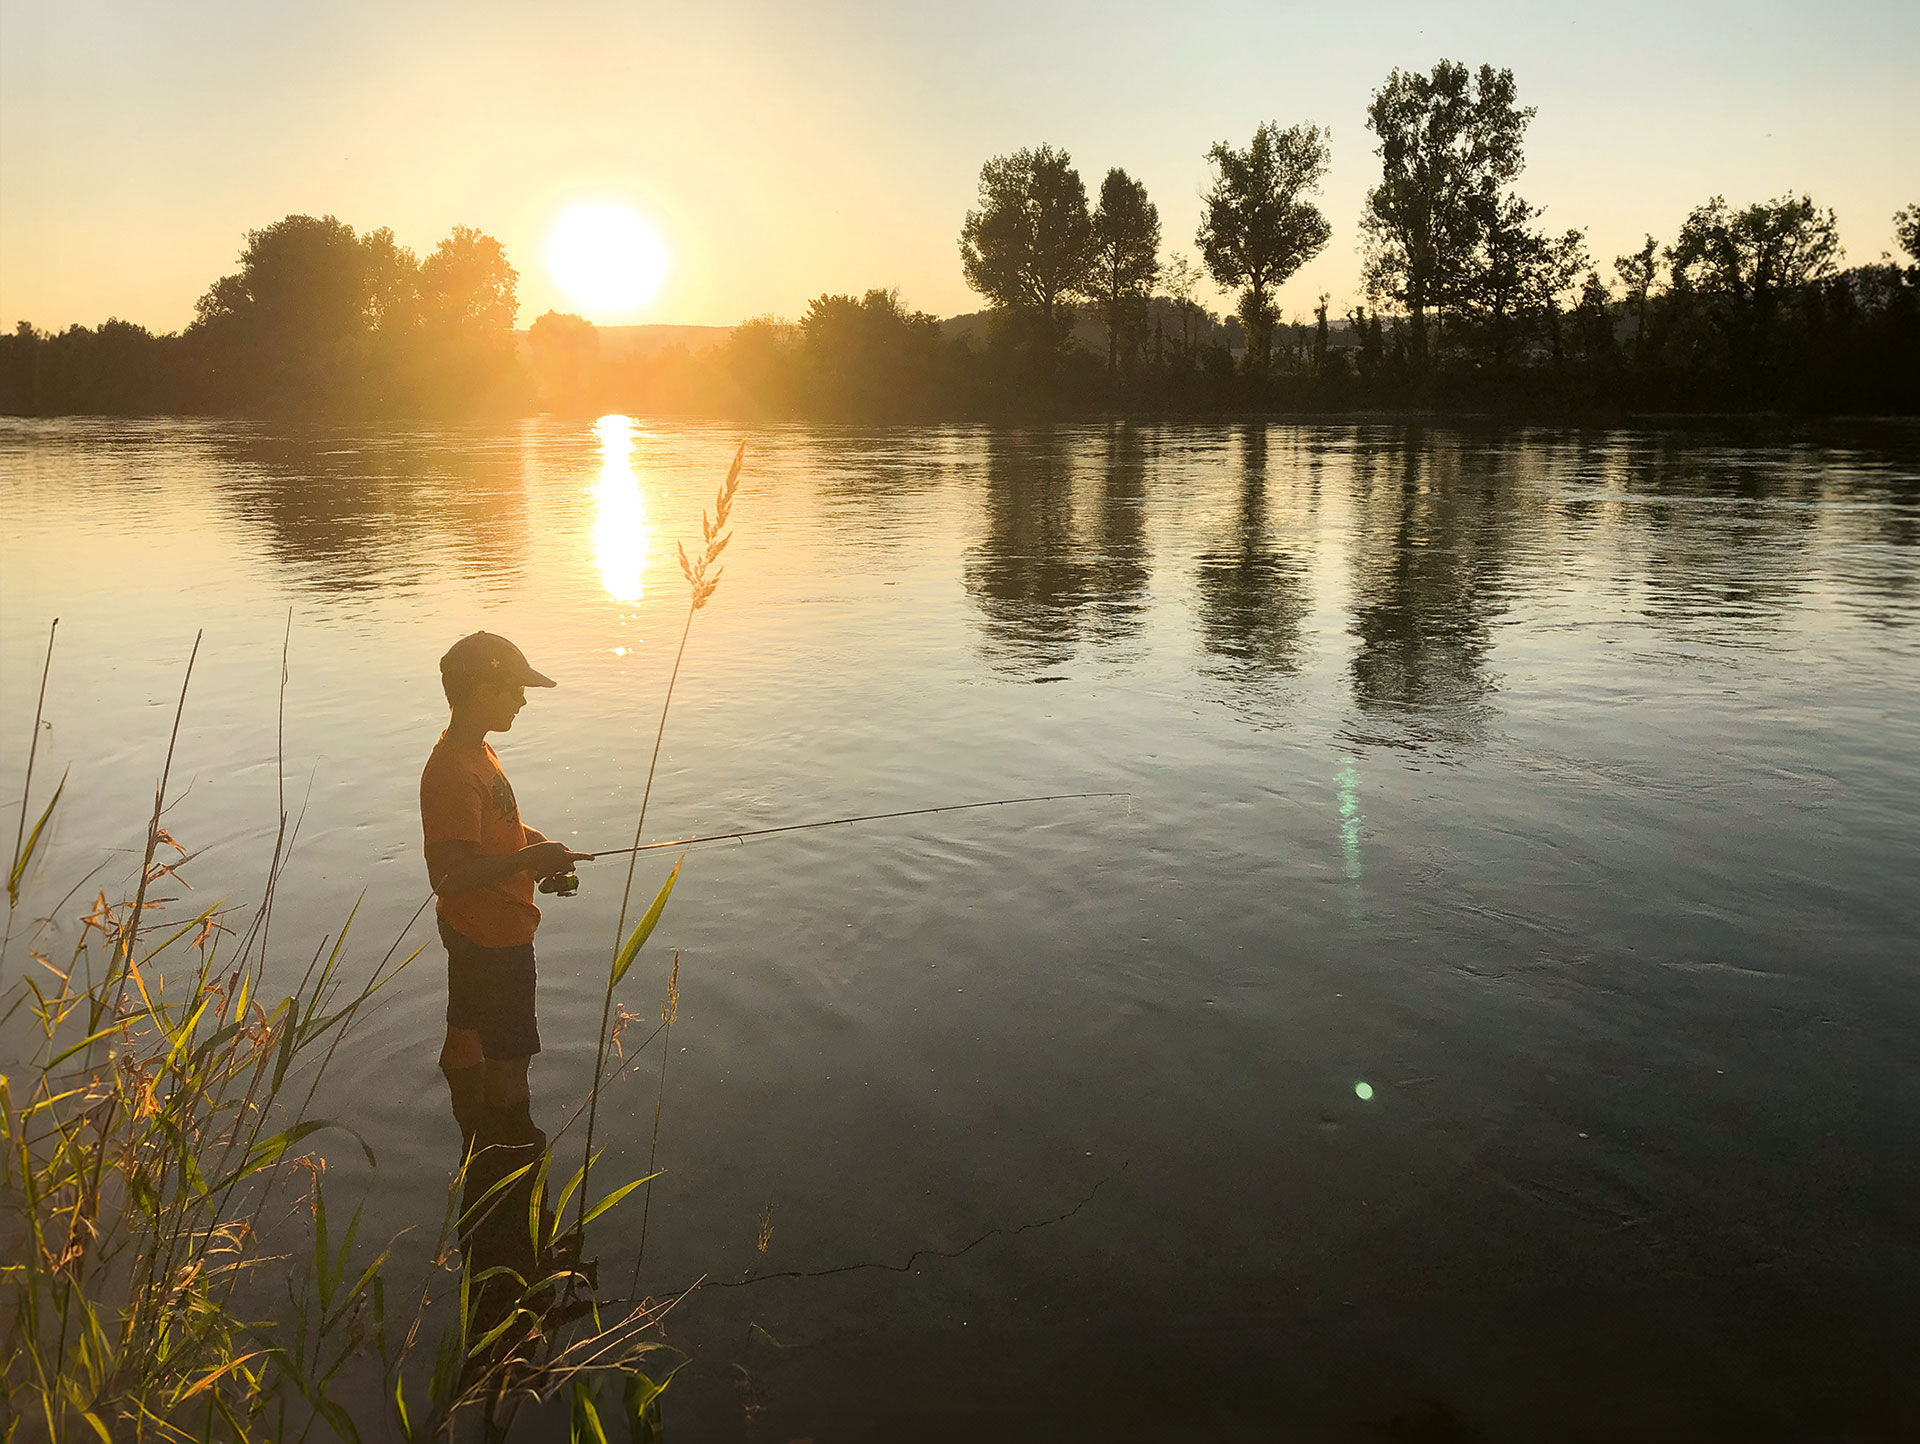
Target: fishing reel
point(561, 884)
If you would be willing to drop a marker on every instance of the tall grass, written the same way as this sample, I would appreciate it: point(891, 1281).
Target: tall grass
point(702, 574)
point(171, 1264)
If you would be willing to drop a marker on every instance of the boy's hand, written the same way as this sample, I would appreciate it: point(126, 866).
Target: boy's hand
point(545, 859)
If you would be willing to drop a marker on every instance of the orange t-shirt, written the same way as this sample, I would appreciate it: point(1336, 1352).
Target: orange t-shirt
point(465, 797)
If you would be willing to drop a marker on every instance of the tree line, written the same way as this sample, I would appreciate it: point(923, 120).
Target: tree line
point(316, 320)
point(1471, 301)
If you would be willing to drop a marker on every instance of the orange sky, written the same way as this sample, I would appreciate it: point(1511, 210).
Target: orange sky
point(789, 150)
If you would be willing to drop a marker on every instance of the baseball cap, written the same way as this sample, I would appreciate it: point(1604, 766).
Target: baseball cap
point(488, 657)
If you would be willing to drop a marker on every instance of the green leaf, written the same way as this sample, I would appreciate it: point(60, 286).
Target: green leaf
point(584, 1427)
point(287, 1025)
point(128, 1021)
point(268, 1150)
point(611, 1199)
point(641, 1398)
point(26, 855)
point(579, 1176)
point(645, 930)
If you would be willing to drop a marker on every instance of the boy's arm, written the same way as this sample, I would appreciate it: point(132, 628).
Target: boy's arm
point(450, 814)
point(460, 866)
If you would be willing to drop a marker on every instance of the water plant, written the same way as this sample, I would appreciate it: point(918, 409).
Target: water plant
point(170, 1268)
point(702, 575)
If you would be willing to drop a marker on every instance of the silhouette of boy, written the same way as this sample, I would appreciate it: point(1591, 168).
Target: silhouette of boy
point(482, 861)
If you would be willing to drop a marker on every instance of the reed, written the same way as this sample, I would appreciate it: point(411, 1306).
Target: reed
point(173, 1264)
point(702, 574)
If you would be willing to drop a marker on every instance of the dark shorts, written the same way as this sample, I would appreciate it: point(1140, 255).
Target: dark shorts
point(490, 990)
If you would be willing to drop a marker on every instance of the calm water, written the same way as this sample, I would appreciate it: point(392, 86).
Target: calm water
point(1565, 790)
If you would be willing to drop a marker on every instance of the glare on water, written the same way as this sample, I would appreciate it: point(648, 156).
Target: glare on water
point(620, 533)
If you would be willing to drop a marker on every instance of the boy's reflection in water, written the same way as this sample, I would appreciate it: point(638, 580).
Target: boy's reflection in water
point(513, 1261)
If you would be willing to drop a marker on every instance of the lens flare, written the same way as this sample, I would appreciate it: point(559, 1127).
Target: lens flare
point(1349, 784)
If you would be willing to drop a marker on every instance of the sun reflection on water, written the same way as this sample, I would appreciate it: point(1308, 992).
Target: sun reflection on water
point(620, 530)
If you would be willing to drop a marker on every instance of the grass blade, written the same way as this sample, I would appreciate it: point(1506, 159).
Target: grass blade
point(25, 854)
point(611, 1199)
point(645, 929)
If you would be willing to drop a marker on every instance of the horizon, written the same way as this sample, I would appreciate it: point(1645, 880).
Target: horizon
point(132, 208)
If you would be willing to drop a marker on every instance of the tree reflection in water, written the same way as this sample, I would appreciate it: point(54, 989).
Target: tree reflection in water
point(1253, 599)
point(1118, 572)
point(1427, 560)
point(354, 510)
point(1026, 575)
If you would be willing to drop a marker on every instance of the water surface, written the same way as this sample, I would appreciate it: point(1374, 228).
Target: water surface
point(1562, 789)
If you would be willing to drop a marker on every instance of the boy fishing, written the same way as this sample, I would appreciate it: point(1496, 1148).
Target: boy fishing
point(483, 862)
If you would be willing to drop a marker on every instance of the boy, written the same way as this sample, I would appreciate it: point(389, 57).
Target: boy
point(482, 861)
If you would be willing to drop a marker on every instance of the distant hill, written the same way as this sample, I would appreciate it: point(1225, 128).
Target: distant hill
point(623, 342)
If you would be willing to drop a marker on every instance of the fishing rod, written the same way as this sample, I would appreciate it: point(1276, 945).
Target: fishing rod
point(560, 879)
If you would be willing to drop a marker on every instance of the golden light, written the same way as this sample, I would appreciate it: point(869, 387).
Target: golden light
point(607, 258)
point(620, 528)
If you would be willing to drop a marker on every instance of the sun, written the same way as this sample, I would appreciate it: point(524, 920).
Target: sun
point(607, 258)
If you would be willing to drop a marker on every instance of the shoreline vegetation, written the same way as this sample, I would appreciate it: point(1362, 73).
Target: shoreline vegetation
point(175, 1261)
point(168, 1267)
point(1473, 306)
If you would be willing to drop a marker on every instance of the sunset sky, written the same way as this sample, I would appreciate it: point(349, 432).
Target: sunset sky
point(784, 150)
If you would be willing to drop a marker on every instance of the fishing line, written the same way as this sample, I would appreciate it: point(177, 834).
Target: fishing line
point(842, 821)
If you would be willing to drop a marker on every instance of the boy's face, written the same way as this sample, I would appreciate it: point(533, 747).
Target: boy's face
point(497, 704)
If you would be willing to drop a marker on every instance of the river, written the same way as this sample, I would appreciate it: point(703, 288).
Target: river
point(1489, 1012)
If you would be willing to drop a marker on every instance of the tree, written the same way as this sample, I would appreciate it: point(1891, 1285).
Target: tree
point(1746, 265)
point(302, 282)
point(1906, 230)
point(1025, 247)
point(869, 356)
point(1515, 277)
point(1180, 278)
point(392, 282)
point(1450, 144)
point(565, 348)
point(467, 284)
point(290, 325)
point(1593, 330)
point(1256, 230)
point(1637, 274)
point(1124, 261)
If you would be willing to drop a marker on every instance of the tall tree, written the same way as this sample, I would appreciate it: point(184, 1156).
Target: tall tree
point(1179, 279)
point(1025, 247)
point(1124, 261)
point(1747, 264)
point(869, 356)
point(1256, 227)
point(392, 280)
point(1593, 331)
point(289, 328)
point(565, 348)
point(302, 284)
point(1906, 230)
point(1449, 145)
point(1637, 273)
point(1515, 278)
point(467, 284)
